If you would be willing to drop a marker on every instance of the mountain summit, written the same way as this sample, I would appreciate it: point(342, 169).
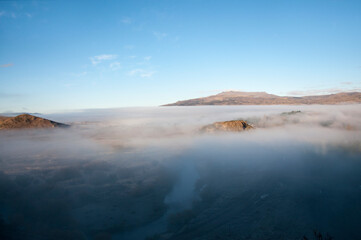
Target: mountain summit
point(263, 98)
point(228, 94)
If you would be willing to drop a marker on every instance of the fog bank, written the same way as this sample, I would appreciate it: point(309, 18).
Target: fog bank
point(135, 173)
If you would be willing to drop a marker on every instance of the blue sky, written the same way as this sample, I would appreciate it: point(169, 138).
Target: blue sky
point(65, 55)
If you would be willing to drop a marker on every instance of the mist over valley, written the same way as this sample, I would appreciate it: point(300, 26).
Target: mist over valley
point(152, 173)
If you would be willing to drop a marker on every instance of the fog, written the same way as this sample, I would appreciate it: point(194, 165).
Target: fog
point(150, 173)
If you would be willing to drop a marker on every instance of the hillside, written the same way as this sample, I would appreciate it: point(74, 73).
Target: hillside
point(27, 121)
point(263, 98)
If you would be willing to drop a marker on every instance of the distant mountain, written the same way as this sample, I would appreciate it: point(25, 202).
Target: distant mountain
point(27, 121)
point(263, 98)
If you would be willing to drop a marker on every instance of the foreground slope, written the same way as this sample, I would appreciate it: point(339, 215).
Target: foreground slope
point(28, 121)
point(263, 98)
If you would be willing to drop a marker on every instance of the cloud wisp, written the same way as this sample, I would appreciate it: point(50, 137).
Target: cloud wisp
point(11, 14)
point(129, 47)
point(95, 60)
point(80, 74)
point(347, 83)
point(141, 73)
point(6, 65)
point(115, 66)
point(322, 91)
point(126, 20)
point(160, 35)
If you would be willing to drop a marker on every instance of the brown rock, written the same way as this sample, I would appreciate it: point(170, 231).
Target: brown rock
point(228, 126)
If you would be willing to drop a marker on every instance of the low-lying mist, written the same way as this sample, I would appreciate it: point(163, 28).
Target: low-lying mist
point(149, 173)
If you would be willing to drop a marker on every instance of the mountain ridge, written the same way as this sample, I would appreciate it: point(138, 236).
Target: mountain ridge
point(263, 98)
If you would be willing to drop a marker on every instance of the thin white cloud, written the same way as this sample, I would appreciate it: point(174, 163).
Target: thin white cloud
point(10, 95)
point(147, 74)
point(132, 57)
point(216, 91)
point(322, 91)
point(100, 58)
point(126, 20)
point(134, 72)
point(18, 5)
point(147, 58)
point(115, 66)
point(15, 15)
point(347, 83)
point(129, 47)
point(141, 73)
point(6, 65)
point(160, 35)
point(69, 85)
point(80, 74)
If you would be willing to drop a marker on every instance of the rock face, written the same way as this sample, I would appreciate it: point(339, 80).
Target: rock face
point(28, 121)
point(227, 126)
point(263, 98)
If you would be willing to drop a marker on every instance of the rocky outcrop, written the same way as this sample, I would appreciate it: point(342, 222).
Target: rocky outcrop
point(227, 126)
point(28, 121)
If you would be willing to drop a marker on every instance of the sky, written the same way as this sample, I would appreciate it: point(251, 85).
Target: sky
point(69, 55)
